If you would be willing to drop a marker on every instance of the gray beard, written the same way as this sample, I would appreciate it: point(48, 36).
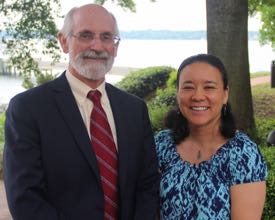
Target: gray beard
point(90, 70)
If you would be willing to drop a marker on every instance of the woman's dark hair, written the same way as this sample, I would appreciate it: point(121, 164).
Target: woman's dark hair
point(175, 121)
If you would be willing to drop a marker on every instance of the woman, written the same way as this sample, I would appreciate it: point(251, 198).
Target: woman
point(209, 169)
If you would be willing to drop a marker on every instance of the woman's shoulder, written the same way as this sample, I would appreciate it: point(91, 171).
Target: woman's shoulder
point(242, 147)
point(163, 133)
point(241, 140)
point(246, 161)
point(165, 147)
point(163, 137)
point(164, 140)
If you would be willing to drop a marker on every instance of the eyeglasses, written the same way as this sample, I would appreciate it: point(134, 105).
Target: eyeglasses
point(105, 38)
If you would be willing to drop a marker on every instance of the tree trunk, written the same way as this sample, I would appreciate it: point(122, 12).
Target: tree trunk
point(227, 38)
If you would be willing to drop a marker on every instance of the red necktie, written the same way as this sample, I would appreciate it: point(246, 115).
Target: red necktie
point(106, 154)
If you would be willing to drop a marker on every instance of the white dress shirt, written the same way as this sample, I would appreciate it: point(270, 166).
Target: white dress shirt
point(80, 91)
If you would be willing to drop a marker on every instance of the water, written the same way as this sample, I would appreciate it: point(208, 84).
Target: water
point(10, 86)
point(144, 53)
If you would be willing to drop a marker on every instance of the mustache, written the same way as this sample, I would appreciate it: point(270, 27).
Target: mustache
point(95, 55)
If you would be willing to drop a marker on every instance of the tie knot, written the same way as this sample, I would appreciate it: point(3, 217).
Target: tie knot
point(94, 96)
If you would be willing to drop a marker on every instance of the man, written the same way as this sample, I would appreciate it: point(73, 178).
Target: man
point(52, 169)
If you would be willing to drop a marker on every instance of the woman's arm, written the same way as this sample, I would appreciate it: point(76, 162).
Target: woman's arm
point(247, 200)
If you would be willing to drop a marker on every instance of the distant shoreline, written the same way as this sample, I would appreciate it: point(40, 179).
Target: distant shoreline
point(173, 35)
point(61, 66)
point(164, 34)
point(115, 74)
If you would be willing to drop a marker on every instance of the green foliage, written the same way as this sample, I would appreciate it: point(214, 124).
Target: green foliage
point(126, 4)
point(253, 6)
point(264, 127)
point(267, 31)
point(28, 25)
point(164, 100)
point(269, 209)
point(172, 81)
point(156, 114)
point(143, 82)
point(2, 119)
point(258, 74)
point(266, 8)
point(165, 97)
point(263, 101)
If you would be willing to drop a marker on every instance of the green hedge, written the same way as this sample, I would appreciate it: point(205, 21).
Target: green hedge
point(156, 116)
point(264, 127)
point(172, 81)
point(143, 82)
point(269, 209)
point(162, 102)
point(2, 119)
point(164, 97)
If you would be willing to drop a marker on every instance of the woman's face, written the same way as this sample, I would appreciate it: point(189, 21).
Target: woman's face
point(201, 95)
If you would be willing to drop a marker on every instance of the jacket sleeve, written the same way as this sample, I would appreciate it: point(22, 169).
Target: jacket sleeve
point(23, 168)
point(148, 185)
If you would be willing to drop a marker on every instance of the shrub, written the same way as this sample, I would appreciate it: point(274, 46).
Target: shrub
point(156, 116)
point(264, 126)
point(143, 82)
point(164, 97)
point(172, 81)
point(269, 209)
point(160, 105)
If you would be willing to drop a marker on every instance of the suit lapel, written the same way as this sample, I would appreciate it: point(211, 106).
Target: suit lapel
point(67, 105)
point(122, 136)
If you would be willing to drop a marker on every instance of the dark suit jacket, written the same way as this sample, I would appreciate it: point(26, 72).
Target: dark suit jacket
point(50, 169)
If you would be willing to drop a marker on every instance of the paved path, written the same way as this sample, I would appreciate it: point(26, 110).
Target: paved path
point(4, 212)
point(260, 80)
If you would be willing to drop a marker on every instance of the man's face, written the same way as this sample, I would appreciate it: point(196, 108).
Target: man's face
point(91, 45)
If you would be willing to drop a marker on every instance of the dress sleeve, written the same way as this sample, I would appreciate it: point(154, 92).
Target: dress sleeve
point(246, 162)
point(163, 141)
point(158, 142)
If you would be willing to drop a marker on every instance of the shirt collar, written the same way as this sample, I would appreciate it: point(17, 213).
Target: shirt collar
point(80, 89)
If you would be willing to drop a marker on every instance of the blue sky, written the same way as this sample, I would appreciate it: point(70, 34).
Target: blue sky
point(162, 14)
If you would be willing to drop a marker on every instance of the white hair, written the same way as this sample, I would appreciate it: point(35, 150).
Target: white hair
point(68, 24)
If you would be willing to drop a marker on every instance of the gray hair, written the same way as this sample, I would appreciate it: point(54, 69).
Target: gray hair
point(68, 24)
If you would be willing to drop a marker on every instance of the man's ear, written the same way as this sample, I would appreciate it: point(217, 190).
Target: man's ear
point(63, 42)
point(116, 48)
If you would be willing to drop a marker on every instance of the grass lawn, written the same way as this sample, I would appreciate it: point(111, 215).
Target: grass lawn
point(258, 74)
point(264, 101)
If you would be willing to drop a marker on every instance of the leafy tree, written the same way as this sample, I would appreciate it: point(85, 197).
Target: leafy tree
point(28, 23)
point(266, 8)
point(128, 4)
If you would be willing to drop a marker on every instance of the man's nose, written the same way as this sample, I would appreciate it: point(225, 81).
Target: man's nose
point(96, 44)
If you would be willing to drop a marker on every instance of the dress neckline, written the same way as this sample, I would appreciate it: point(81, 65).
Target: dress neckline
point(204, 162)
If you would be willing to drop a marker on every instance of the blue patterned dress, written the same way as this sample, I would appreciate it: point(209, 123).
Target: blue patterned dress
point(202, 191)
